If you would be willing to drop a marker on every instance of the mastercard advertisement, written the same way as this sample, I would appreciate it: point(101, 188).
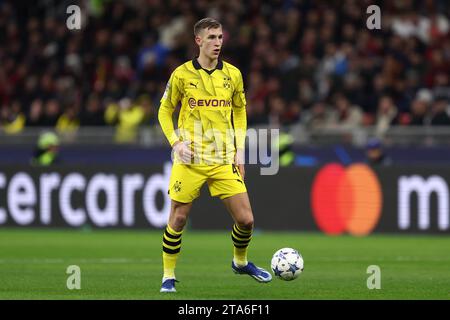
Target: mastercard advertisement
point(334, 199)
point(357, 200)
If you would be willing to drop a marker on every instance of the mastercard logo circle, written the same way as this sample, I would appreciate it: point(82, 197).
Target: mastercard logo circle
point(346, 199)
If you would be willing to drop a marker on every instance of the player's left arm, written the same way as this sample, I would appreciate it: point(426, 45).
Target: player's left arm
point(239, 122)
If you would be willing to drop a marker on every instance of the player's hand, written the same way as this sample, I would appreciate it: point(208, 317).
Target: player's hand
point(239, 160)
point(183, 150)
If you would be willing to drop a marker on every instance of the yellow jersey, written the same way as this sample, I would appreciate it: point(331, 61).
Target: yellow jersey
point(212, 115)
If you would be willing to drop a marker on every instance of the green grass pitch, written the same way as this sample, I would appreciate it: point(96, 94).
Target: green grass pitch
point(127, 265)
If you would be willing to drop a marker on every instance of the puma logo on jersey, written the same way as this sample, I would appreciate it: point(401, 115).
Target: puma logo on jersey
point(194, 85)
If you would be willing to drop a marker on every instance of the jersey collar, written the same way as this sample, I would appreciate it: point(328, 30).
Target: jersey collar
point(197, 65)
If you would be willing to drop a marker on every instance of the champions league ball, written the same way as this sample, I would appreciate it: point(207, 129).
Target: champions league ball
point(287, 264)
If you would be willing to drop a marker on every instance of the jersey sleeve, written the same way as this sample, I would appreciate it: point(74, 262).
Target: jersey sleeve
point(169, 101)
point(239, 112)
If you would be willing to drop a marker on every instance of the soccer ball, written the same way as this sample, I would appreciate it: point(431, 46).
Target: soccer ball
point(287, 264)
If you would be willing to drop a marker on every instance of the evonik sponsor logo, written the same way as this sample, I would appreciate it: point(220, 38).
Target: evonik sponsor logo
point(208, 103)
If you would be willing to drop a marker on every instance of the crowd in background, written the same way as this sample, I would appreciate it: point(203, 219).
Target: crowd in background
point(312, 62)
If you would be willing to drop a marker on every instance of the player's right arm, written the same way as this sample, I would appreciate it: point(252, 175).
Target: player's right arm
point(169, 101)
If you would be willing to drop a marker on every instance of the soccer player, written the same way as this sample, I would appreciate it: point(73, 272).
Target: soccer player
point(208, 148)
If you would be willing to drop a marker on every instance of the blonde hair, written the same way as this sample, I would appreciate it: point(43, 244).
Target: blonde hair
point(206, 23)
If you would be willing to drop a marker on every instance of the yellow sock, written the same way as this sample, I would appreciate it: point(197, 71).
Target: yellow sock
point(241, 238)
point(171, 251)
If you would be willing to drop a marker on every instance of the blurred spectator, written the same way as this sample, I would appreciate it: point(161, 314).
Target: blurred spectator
point(419, 113)
point(387, 115)
point(149, 110)
point(420, 108)
point(127, 116)
point(306, 93)
point(375, 153)
point(441, 87)
point(379, 88)
point(286, 154)
point(345, 115)
point(256, 113)
point(92, 115)
point(68, 123)
point(318, 116)
point(293, 113)
point(12, 119)
point(277, 108)
point(52, 111)
point(35, 115)
point(440, 112)
point(46, 151)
